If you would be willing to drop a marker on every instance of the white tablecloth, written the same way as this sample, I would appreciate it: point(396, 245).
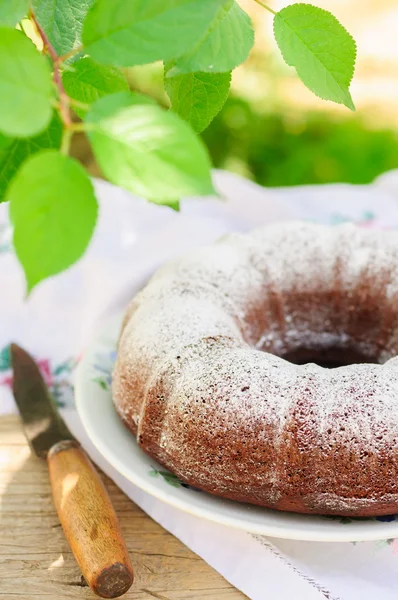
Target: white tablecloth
point(133, 236)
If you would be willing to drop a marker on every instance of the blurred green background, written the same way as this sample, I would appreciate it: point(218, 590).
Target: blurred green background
point(315, 147)
point(274, 131)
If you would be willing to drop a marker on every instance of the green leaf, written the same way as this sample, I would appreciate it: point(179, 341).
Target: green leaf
point(14, 151)
point(54, 211)
point(12, 11)
point(26, 86)
point(314, 42)
point(136, 32)
point(198, 97)
point(147, 150)
point(224, 47)
point(174, 204)
point(89, 81)
point(62, 20)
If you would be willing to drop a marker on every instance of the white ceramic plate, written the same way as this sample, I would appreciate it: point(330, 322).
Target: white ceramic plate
point(119, 448)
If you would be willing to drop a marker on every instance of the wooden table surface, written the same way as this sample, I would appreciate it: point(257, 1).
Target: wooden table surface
point(35, 560)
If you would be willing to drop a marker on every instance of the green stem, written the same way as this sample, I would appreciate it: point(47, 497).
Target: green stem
point(78, 104)
point(266, 7)
point(66, 138)
point(80, 127)
point(69, 54)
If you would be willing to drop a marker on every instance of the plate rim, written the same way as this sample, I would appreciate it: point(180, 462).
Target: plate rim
point(337, 533)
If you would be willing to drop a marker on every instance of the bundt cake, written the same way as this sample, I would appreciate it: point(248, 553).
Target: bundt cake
point(224, 369)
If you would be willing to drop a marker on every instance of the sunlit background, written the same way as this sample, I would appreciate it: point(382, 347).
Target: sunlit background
point(276, 132)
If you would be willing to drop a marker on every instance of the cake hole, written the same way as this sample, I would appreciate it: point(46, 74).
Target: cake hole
point(329, 358)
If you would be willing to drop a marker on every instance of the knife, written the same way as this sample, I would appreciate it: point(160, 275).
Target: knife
point(83, 505)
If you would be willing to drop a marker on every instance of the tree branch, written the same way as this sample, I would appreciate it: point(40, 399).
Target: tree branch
point(63, 96)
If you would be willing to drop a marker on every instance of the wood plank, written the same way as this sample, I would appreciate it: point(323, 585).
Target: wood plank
point(35, 560)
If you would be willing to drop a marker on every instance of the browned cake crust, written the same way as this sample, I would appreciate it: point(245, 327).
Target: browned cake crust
point(201, 376)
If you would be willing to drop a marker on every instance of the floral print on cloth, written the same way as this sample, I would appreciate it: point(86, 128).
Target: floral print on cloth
point(367, 220)
point(103, 367)
point(58, 377)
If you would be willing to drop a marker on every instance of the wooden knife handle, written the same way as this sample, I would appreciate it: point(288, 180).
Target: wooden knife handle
point(89, 521)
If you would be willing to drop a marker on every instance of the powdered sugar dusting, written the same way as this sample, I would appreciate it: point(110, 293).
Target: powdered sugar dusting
point(199, 373)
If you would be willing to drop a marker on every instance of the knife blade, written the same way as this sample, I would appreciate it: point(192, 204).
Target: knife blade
point(84, 508)
point(41, 422)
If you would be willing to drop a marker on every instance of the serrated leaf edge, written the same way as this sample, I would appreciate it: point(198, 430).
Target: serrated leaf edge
point(175, 71)
point(350, 104)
